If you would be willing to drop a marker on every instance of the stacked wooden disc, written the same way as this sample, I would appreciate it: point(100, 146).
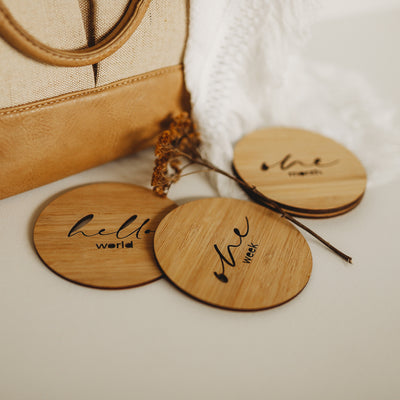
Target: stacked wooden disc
point(307, 174)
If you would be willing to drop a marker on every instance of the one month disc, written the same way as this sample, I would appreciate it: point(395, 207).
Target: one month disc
point(306, 173)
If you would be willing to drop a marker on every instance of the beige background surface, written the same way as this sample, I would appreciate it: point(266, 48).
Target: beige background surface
point(339, 339)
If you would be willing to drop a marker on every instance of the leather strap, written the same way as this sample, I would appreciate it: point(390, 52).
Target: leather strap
point(21, 40)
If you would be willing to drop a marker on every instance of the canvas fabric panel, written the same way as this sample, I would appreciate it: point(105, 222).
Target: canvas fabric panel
point(58, 24)
point(158, 42)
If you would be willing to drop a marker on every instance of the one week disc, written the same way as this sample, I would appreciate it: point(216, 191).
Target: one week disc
point(232, 254)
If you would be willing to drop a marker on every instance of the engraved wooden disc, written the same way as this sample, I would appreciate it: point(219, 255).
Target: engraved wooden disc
point(303, 171)
point(101, 235)
point(233, 254)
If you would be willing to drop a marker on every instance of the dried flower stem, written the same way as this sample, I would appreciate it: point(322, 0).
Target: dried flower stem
point(265, 201)
point(182, 141)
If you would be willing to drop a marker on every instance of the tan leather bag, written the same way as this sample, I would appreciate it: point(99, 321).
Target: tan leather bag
point(62, 110)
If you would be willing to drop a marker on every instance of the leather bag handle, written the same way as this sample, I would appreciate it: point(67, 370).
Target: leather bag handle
point(20, 39)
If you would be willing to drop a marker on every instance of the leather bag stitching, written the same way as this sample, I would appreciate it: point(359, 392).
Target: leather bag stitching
point(149, 75)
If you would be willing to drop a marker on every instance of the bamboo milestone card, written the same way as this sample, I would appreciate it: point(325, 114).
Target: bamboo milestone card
point(101, 235)
point(232, 254)
point(307, 174)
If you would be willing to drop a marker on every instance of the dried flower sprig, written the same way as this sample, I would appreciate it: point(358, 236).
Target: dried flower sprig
point(182, 142)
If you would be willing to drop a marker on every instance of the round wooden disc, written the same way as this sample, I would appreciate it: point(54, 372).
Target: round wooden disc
point(305, 172)
point(232, 254)
point(101, 235)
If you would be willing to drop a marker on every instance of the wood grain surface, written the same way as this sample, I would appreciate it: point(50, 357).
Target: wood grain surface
point(232, 254)
point(301, 170)
point(101, 235)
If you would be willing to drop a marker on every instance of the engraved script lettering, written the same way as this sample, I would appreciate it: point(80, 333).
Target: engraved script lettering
point(230, 260)
point(121, 233)
point(252, 248)
point(286, 163)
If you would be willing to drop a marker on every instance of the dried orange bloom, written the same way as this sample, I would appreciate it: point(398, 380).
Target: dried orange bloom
point(181, 140)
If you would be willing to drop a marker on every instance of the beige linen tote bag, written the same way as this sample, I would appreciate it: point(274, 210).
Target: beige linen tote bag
point(84, 82)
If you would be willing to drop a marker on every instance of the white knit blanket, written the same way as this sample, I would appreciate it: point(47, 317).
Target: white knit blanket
point(243, 71)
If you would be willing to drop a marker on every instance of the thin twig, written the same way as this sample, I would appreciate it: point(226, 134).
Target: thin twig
point(183, 140)
point(266, 202)
point(193, 172)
